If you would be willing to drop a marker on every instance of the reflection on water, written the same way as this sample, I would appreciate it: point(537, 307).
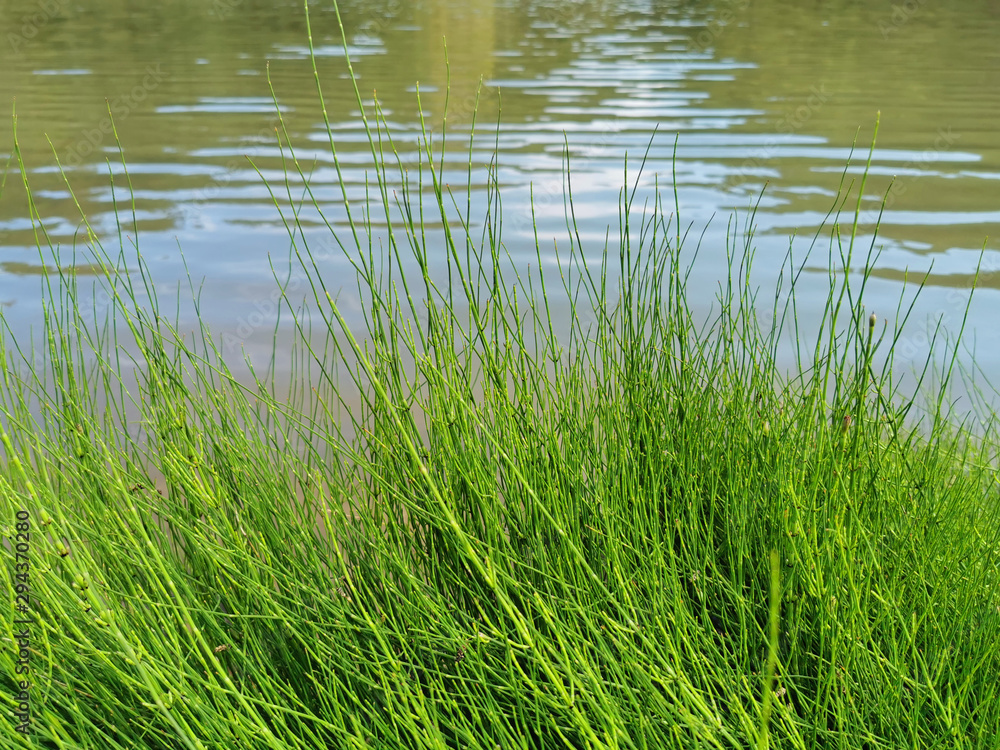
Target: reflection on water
point(37, 269)
point(771, 93)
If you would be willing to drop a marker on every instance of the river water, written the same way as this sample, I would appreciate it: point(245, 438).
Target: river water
point(741, 94)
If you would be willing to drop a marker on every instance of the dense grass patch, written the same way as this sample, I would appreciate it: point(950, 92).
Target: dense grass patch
point(638, 531)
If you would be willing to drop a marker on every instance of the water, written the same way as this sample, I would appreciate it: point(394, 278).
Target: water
point(768, 92)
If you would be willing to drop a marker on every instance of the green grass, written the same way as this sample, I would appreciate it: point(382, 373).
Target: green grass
point(639, 532)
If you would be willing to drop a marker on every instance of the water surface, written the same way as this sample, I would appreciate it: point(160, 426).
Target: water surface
point(769, 92)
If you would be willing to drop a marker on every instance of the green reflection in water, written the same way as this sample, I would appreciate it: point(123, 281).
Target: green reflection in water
point(770, 91)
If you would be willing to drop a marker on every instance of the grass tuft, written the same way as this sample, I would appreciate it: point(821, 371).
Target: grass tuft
point(559, 511)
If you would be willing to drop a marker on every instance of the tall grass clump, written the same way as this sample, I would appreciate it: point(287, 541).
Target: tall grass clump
point(529, 531)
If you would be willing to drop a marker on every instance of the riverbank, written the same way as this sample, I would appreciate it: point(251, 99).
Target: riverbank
point(634, 530)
